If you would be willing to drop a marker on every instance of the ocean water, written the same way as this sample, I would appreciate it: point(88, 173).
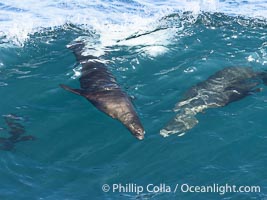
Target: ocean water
point(156, 50)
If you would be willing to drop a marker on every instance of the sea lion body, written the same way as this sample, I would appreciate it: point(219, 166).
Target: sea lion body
point(16, 132)
point(100, 88)
point(225, 86)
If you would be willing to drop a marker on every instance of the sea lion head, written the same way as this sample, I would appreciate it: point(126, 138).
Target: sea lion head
point(133, 124)
point(136, 128)
point(124, 111)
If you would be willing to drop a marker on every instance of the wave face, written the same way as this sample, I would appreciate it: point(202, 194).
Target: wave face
point(156, 50)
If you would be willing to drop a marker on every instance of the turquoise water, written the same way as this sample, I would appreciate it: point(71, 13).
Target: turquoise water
point(78, 148)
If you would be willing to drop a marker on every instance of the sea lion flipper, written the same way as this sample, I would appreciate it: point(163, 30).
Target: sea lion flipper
point(75, 91)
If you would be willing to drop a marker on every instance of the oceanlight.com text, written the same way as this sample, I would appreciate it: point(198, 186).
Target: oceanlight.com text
point(220, 189)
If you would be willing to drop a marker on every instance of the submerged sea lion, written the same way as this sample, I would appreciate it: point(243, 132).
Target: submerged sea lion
point(16, 131)
point(225, 86)
point(99, 87)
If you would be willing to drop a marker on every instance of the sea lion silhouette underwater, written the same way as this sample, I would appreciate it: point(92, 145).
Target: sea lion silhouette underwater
point(16, 130)
point(100, 88)
point(225, 86)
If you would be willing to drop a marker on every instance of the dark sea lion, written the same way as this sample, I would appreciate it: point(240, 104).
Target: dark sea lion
point(16, 131)
point(225, 86)
point(100, 87)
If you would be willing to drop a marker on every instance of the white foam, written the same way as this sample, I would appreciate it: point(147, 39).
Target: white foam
point(112, 20)
point(154, 51)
